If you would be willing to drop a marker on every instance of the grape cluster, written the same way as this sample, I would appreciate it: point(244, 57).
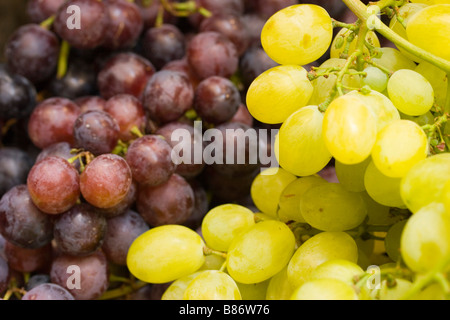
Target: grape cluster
point(94, 94)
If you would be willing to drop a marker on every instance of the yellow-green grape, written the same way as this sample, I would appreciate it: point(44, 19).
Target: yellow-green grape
point(351, 176)
point(395, 290)
point(259, 216)
point(289, 206)
point(278, 92)
point(446, 196)
point(375, 78)
point(212, 285)
point(399, 146)
point(176, 289)
point(430, 2)
point(300, 148)
point(349, 129)
point(318, 249)
point(392, 240)
point(393, 60)
point(338, 269)
point(381, 188)
point(267, 187)
point(279, 287)
point(433, 292)
point(425, 241)
point(425, 182)
point(342, 37)
point(378, 214)
point(223, 223)
point(323, 86)
point(298, 34)
point(405, 12)
point(438, 80)
point(212, 262)
point(324, 289)
point(424, 119)
point(261, 252)
point(253, 291)
point(410, 92)
point(365, 251)
point(382, 107)
point(429, 30)
point(329, 207)
point(165, 253)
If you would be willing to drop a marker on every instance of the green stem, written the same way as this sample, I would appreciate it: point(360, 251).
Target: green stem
point(63, 59)
point(47, 23)
point(208, 251)
point(447, 101)
point(135, 130)
point(344, 70)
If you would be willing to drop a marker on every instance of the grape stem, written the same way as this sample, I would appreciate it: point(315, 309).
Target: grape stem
point(208, 251)
point(63, 59)
point(340, 76)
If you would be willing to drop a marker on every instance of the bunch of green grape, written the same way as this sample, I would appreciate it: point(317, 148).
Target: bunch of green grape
point(378, 115)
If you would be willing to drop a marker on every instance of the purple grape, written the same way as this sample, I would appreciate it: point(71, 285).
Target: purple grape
point(88, 103)
point(125, 204)
point(48, 291)
point(39, 10)
point(254, 62)
point(28, 260)
point(15, 164)
point(37, 280)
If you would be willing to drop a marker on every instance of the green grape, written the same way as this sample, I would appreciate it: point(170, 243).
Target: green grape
point(338, 269)
point(365, 250)
point(426, 118)
point(425, 241)
point(383, 189)
point(253, 291)
point(406, 12)
point(318, 249)
point(424, 183)
point(433, 292)
point(212, 285)
point(279, 287)
point(430, 2)
point(289, 206)
point(429, 30)
point(329, 207)
point(399, 146)
point(393, 60)
point(212, 262)
point(351, 176)
point(323, 86)
point(298, 34)
point(278, 92)
point(378, 214)
point(176, 289)
point(393, 291)
point(337, 51)
point(410, 92)
point(259, 216)
point(261, 252)
point(223, 223)
point(165, 253)
point(375, 78)
point(392, 240)
point(299, 147)
point(349, 129)
point(381, 106)
point(324, 289)
point(438, 80)
point(267, 187)
point(446, 196)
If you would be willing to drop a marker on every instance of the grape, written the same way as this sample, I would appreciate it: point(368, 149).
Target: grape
point(375, 79)
point(105, 181)
point(339, 269)
point(158, 205)
point(165, 253)
point(425, 240)
point(86, 282)
point(123, 206)
point(300, 145)
point(48, 291)
point(383, 189)
point(431, 36)
point(213, 262)
point(349, 129)
point(437, 78)
point(278, 92)
point(446, 196)
point(149, 158)
point(32, 52)
point(28, 260)
point(212, 285)
point(224, 223)
point(253, 291)
point(432, 292)
point(267, 8)
point(96, 131)
point(38, 10)
point(267, 187)
point(329, 207)
point(253, 62)
point(424, 183)
point(79, 231)
point(243, 116)
point(21, 222)
point(53, 185)
point(324, 289)
point(90, 102)
point(318, 249)
point(351, 176)
point(377, 213)
point(253, 24)
point(393, 60)
point(93, 24)
point(235, 7)
point(392, 240)
point(343, 36)
point(282, 31)
point(176, 289)
point(150, 13)
point(260, 252)
point(279, 287)
point(14, 167)
point(410, 92)
point(36, 280)
point(182, 65)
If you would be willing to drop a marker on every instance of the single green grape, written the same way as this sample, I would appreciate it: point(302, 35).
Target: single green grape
point(165, 253)
point(392, 240)
point(176, 289)
point(392, 59)
point(253, 291)
point(424, 119)
point(338, 269)
point(279, 287)
point(432, 292)
point(212, 285)
point(394, 291)
point(261, 252)
point(438, 80)
point(351, 176)
point(324, 289)
point(375, 78)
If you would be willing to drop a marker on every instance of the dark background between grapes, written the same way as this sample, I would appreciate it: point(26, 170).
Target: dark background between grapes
point(12, 15)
